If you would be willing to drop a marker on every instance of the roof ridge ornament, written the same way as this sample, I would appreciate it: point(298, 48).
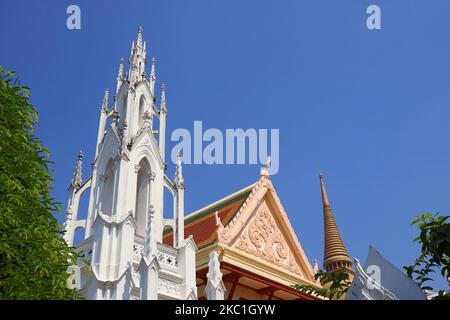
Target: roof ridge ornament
point(219, 225)
point(266, 168)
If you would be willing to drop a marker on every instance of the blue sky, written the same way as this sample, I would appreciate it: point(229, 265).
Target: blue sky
point(370, 109)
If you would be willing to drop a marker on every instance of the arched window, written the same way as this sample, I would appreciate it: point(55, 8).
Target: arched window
point(141, 111)
point(108, 188)
point(142, 196)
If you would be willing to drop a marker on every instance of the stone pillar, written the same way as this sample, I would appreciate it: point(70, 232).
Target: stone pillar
point(149, 274)
point(187, 267)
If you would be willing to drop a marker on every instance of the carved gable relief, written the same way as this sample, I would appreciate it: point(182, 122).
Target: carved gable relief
point(262, 238)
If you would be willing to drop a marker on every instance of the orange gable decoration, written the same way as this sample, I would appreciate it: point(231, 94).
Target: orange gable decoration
point(260, 255)
point(262, 238)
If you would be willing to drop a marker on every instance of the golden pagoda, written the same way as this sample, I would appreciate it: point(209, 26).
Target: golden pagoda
point(336, 257)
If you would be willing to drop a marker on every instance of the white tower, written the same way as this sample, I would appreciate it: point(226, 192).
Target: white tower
point(124, 226)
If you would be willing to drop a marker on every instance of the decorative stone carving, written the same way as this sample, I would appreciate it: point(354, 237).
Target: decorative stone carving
point(262, 238)
point(138, 250)
point(149, 243)
point(169, 287)
point(168, 260)
point(147, 117)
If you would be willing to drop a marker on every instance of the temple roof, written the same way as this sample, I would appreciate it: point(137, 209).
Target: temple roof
point(241, 226)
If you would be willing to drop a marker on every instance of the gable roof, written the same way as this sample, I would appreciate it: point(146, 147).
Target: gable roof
point(254, 206)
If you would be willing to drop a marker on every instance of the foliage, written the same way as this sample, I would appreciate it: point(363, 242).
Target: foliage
point(334, 285)
point(33, 256)
point(435, 252)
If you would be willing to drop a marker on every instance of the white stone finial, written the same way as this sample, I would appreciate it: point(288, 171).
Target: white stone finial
point(316, 266)
point(139, 37)
point(214, 274)
point(77, 175)
point(179, 155)
point(163, 96)
point(215, 288)
point(179, 181)
point(120, 73)
point(105, 98)
point(152, 71)
point(265, 169)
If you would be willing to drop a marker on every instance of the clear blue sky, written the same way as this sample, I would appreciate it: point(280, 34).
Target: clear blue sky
point(370, 109)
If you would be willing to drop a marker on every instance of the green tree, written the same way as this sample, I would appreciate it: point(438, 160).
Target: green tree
point(33, 256)
point(435, 251)
point(334, 285)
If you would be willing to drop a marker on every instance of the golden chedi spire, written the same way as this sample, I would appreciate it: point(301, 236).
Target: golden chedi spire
point(336, 257)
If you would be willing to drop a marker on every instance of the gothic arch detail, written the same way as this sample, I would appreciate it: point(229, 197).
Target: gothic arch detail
point(142, 104)
point(108, 184)
point(123, 108)
point(143, 189)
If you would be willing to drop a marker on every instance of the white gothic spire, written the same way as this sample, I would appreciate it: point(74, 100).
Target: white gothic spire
point(138, 59)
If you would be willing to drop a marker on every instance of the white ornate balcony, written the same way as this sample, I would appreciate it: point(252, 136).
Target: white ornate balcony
point(168, 257)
